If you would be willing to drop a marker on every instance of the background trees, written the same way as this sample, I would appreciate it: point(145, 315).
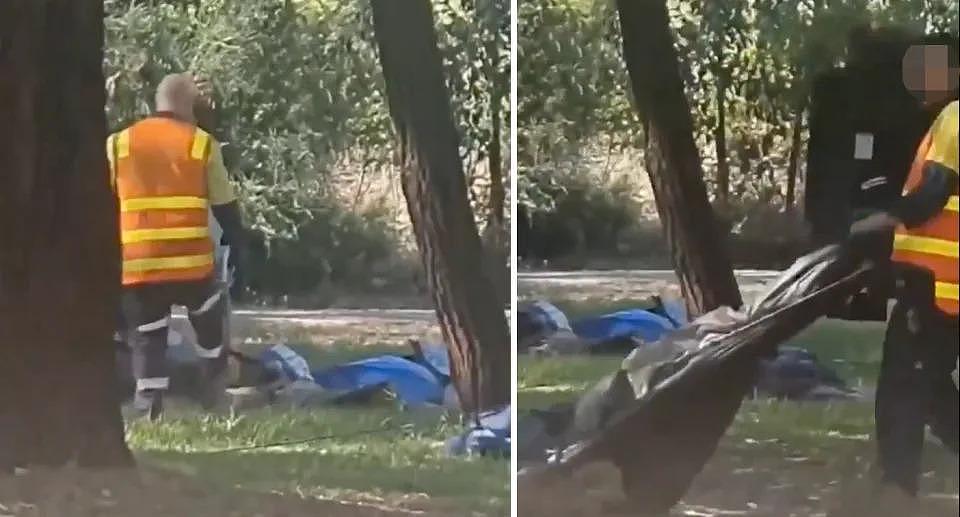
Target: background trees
point(302, 114)
point(747, 68)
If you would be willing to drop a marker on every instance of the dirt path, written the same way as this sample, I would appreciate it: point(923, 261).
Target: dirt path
point(356, 327)
point(616, 285)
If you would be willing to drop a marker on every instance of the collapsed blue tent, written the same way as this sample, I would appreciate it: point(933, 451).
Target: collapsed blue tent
point(608, 333)
point(411, 382)
point(415, 379)
point(632, 323)
point(420, 378)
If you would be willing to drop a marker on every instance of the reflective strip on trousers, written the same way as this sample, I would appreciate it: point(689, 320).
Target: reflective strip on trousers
point(153, 325)
point(209, 303)
point(153, 383)
point(153, 264)
point(163, 234)
point(208, 353)
point(928, 245)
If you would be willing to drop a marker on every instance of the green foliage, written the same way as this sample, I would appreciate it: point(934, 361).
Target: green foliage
point(755, 59)
point(571, 80)
point(300, 111)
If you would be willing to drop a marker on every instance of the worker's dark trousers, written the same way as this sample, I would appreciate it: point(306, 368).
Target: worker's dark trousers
point(915, 389)
point(145, 308)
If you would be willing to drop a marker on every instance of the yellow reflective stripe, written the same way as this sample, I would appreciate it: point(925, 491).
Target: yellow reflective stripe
point(153, 264)
point(947, 291)
point(199, 147)
point(927, 245)
point(162, 203)
point(112, 160)
point(953, 204)
point(163, 234)
point(123, 144)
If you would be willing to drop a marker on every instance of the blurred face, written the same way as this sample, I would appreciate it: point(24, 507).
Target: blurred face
point(927, 73)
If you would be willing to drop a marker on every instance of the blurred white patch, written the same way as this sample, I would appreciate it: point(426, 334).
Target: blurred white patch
point(863, 146)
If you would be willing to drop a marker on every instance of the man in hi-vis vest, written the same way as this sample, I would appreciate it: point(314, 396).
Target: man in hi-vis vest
point(168, 175)
point(916, 386)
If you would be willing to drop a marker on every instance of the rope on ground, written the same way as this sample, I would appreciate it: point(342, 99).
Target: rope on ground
point(314, 439)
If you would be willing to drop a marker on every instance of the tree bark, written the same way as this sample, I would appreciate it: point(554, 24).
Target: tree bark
point(59, 240)
point(672, 160)
point(498, 194)
point(720, 132)
point(794, 165)
point(495, 236)
point(471, 319)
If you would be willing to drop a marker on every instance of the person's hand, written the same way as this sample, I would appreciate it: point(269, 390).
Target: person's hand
point(870, 236)
point(874, 224)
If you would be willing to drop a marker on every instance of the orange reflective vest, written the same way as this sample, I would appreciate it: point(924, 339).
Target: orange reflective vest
point(934, 245)
point(161, 182)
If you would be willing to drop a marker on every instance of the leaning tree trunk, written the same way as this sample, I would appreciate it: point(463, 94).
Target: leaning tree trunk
point(470, 316)
point(672, 160)
point(59, 245)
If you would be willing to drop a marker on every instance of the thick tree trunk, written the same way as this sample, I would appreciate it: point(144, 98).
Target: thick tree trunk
point(794, 165)
point(672, 160)
point(470, 316)
point(59, 246)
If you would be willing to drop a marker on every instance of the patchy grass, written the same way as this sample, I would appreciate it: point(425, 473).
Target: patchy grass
point(400, 464)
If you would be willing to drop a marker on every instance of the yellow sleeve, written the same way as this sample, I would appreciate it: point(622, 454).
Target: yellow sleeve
point(943, 138)
point(219, 189)
point(111, 162)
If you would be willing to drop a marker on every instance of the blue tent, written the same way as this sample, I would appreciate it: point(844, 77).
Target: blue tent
point(626, 324)
point(412, 382)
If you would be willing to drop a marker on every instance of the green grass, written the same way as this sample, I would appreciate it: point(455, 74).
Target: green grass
point(404, 466)
point(814, 447)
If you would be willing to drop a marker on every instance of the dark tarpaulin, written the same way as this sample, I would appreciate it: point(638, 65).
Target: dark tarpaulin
point(660, 418)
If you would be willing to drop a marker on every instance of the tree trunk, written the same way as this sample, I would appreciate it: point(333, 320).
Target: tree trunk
point(795, 150)
point(495, 235)
point(720, 133)
point(471, 319)
point(672, 160)
point(59, 245)
point(498, 195)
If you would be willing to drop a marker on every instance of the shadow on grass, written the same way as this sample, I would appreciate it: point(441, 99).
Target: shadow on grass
point(468, 486)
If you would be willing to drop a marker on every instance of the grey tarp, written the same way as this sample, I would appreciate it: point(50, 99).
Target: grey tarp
point(660, 417)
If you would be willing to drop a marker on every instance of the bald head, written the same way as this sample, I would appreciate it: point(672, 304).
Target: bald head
point(177, 93)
